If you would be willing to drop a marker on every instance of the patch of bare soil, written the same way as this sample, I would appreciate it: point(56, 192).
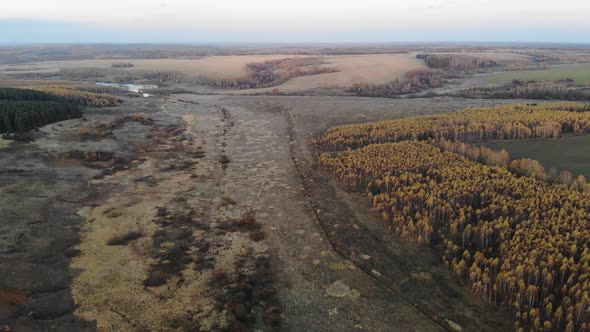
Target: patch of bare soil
point(12, 299)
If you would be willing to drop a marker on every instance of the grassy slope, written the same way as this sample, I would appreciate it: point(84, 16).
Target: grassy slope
point(568, 153)
point(578, 72)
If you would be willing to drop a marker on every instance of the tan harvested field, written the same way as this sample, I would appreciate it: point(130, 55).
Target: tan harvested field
point(215, 67)
point(372, 68)
point(376, 68)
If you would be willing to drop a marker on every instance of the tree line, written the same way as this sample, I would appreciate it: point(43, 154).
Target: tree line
point(83, 98)
point(541, 90)
point(102, 89)
point(27, 94)
point(456, 61)
point(522, 121)
point(22, 110)
point(412, 82)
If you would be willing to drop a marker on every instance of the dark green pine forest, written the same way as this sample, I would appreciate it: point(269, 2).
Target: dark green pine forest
point(22, 110)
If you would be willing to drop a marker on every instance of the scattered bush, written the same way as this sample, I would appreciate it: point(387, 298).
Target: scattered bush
point(155, 278)
point(218, 278)
point(227, 201)
point(114, 213)
point(122, 65)
point(224, 159)
point(257, 236)
point(123, 240)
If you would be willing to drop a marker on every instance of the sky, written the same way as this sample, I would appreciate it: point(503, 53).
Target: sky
point(262, 21)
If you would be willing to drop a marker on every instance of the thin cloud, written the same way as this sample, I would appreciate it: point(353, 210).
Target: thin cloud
point(308, 20)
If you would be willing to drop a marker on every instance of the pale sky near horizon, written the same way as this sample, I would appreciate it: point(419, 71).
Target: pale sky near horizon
point(294, 21)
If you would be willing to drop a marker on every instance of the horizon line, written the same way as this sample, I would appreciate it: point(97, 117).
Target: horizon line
point(255, 43)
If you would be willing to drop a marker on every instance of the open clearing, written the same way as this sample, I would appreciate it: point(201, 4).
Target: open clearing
point(578, 72)
point(145, 241)
point(565, 154)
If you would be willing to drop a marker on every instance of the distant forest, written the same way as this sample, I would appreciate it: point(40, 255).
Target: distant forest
point(456, 61)
point(78, 96)
point(27, 94)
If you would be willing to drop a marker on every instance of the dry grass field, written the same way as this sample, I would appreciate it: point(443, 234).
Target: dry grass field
point(214, 67)
point(579, 72)
point(377, 68)
point(374, 68)
point(564, 154)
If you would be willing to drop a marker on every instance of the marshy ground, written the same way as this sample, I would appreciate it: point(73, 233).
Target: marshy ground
point(193, 212)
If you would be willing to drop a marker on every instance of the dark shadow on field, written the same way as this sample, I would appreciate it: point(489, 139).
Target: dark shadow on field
point(39, 230)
